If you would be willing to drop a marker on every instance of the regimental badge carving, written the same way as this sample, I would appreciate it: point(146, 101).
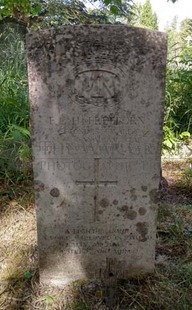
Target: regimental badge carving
point(97, 87)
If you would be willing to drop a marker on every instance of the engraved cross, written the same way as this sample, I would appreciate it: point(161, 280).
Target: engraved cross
point(96, 183)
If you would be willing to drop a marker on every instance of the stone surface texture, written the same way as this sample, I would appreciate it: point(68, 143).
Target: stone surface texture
point(96, 96)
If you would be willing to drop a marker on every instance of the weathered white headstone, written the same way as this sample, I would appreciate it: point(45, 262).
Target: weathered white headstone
point(96, 97)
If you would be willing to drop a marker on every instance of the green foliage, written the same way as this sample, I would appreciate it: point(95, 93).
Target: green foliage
point(32, 12)
point(28, 275)
point(185, 136)
point(173, 39)
point(178, 109)
point(148, 18)
point(15, 152)
point(178, 103)
point(40, 14)
point(169, 140)
point(185, 30)
point(13, 78)
point(22, 11)
point(58, 12)
point(48, 299)
point(144, 16)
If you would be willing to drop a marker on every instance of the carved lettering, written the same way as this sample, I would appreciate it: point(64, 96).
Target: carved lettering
point(71, 125)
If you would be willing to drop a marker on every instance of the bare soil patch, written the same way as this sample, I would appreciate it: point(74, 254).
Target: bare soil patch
point(176, 186)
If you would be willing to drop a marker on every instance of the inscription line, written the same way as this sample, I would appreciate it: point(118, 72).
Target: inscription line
point(93, 182)
point(71, 158)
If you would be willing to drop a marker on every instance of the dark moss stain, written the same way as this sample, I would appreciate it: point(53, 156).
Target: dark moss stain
point(124, 208)
point(128, 212)
point(142, 211)
point(142, 229)
point(54, 192)
point(115, 202)
point(114, 244)
point(144, 188)
point(100, 211)
point(132, 191)
point(104, 203)
point(154, 196)
point(39, 186)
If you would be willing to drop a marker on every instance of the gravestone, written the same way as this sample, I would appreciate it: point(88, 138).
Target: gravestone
point(96, 96)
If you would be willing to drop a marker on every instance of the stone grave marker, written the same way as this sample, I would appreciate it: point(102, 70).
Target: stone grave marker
point(96, 96)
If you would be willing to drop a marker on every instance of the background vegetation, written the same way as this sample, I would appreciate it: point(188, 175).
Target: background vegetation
point(19, 17)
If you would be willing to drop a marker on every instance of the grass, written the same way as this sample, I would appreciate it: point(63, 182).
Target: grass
point(15, 148)
point(170, 287)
